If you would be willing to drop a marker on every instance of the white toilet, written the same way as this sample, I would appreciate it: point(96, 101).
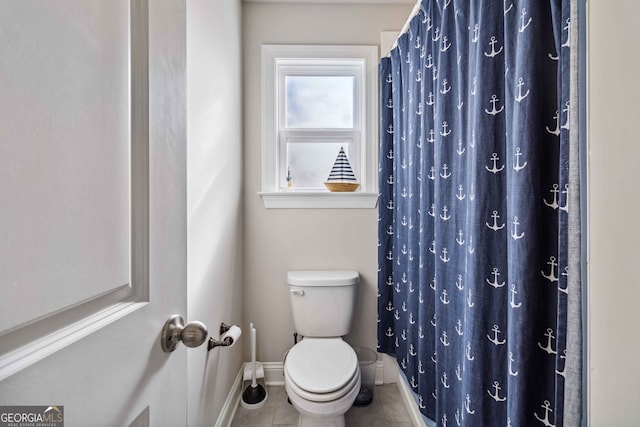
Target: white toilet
point(321, 374)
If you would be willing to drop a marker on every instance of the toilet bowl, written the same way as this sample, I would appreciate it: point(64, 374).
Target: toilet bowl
point(322, 380)
point(321, 372)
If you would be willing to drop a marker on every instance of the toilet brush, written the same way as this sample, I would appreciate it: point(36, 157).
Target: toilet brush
point(255, 394)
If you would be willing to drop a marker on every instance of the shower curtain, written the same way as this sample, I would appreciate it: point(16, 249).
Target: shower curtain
point(479, 290)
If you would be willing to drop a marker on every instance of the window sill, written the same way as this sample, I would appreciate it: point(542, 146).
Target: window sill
point(318, 200)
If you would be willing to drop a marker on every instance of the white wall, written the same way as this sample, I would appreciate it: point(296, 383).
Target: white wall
point(278, 240)
point(214, 205)
point(614, 202)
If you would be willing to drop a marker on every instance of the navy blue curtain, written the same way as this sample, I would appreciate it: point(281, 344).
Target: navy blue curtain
point(474, 213)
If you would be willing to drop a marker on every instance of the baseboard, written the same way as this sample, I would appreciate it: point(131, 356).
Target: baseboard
point(231, 403)
point(274, 373)
point(379, 372)
point(410, 403)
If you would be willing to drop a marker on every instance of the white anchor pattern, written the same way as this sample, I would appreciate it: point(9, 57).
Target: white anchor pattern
point(472, 261)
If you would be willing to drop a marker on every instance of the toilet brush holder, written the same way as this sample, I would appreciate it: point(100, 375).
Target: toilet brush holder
point(255, 394)
point(249, 370)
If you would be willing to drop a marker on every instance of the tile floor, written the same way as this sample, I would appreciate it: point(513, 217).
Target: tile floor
point(386, 410)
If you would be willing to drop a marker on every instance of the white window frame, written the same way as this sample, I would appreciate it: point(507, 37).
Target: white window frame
point(281, 60)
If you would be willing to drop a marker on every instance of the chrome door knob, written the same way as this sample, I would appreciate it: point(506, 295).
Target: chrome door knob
point(192, 334)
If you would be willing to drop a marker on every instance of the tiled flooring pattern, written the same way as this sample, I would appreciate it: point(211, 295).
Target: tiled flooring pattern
point(386, 410)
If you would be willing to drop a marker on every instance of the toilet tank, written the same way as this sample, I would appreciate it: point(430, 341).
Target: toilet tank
point(323, 302)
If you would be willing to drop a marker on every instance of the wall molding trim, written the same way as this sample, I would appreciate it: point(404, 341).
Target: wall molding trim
point(231, 403)
point(410, 403)
point(274, 373)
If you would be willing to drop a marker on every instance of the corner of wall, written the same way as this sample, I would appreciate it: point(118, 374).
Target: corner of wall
point(214, 199)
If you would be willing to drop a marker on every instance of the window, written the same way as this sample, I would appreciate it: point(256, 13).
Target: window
point(317, 100)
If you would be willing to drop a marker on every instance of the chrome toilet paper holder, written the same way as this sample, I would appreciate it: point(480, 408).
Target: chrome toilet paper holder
point(224, 341)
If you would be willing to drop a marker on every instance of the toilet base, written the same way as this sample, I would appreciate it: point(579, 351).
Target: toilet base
point(322, 414)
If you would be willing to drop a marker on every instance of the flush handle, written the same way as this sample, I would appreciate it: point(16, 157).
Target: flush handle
point(192, 334)
point(297, 291)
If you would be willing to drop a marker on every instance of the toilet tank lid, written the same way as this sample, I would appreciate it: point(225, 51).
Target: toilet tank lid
point(323, 278)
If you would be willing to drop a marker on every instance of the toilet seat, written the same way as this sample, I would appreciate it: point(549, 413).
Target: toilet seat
point(320, 398)
point(322, 369)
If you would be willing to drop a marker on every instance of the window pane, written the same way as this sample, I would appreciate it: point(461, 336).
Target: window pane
point(319, 101)
point(310, 162)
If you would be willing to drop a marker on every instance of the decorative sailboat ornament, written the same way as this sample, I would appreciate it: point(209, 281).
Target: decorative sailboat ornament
point(341, 177)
